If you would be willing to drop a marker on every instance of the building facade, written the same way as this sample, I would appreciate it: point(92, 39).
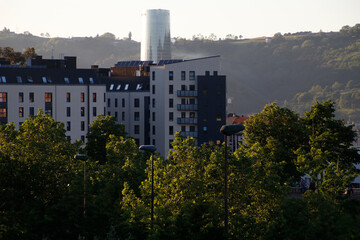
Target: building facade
point(155, 42)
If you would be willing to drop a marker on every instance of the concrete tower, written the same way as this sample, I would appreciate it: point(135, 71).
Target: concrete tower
point(155, 43)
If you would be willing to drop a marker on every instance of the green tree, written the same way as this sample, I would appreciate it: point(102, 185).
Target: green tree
point(98, 136)
point(328, 157)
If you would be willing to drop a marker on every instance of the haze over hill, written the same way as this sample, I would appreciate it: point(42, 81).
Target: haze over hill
point(293, 69)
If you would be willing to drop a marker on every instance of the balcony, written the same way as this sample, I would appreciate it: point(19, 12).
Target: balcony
point(187, 93)
point(189, 134)
point(187, 107)
point(187, 121)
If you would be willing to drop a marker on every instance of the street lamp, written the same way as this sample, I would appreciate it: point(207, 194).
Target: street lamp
point(84, 158)
point(228, 130)
point(151, 149)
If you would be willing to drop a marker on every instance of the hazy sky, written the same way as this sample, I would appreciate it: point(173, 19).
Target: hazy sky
point(249, 18)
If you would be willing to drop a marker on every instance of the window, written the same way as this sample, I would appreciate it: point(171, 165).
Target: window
point(116, 102)
point(123, 102)
point(116, 116)
point(3, 97)
point(171, 103)
point(108, 103)
point(19, 79)
point(136, 129)
point(68, 138)
point(192, 87)
point(153, 89)
point(153, 142)
point(171, 116)
point(153, 75)
point(68, 126)
point(82, 111)
point(109, 113)
point(94, 97)
point(31, 97)
point(218, 117)
point(215, 73)
point(48, 97)
point(94, 112)
point(183, 128)
point(44, 79)
point(183, 101)
point(118, 87)
point(153, 102)
point(68, 111)
point(153, 130)
point(68, 97)
point(29, 79)
point(3, 79)
point(205, 89)
point(82, 97)
point(183, 75)
point(192, 101)
point(81, 80)
point(82, 125)
point(91, 80)
point(153, 116)
point(183, 87)
point(126, 87)
point(66, 80)
point(123, 116)
point(192, 128)
point(138, 87)
point(21, 112)
point(136, 116)
point(183, 115)
point(171, 89)
point(21, 97)
point(104, 99)
point(207, 73)
point(171, 75)
point(3, 112)
point(192, 114)
point(83, 138)
point(170, 143)
point(171, 130)
point(192, 75)
point(136, 102)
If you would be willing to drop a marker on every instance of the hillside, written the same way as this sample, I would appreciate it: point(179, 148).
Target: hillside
point(293, 69)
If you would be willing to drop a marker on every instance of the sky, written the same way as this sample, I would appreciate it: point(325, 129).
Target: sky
point(248, 18)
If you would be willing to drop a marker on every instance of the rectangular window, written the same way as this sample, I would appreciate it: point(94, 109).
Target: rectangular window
point(192, 75)
point(183, 87)
point(116, 102)
point(170, 143)
point(44, 79)
point(123, 116)
point(153, 102)
point(171, 116)
point(68, 126)
point(171, 130)
point(104, 98)
point(116, 116)
point(136, 102)
point(81, 80)
point(153, 116)
point(171, 89)
point(153, 129)
point(66, 80)
point(19, 79)
point(136, 116)
point(48, 97)
point(68, 111)
point(82, 111)
point(91, 80)
point(192, 87)
point(21, 112)
point(108, 103)
point(123, 102)
point(218, 117)
point(183, 128)
point(183, 115)
point(94, 112)
point(21, 97)
point(207, 73)
point(171, 75)
point(153, 89)
point(183, 75)
point(94, 97)
point(215, 73)
point(192, 101)
point(192, 128)
point(136, 129)
point(153, 75)
point(3, 113)
point(192, 114)
point(31, 111)
point(31, 97)
point(3, 97)
point(171, 103)
point(82, 138)
point(82, 97)
point(68, 97)
point(82, 125)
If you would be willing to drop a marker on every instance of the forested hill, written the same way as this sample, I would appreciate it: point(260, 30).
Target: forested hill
point(292, 69)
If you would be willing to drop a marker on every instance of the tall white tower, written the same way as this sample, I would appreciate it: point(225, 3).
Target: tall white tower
point(155, 43)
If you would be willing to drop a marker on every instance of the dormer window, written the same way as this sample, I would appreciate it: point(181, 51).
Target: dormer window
point(66, 80)
point(29, 79)
point(44, 79)
point(19, 79)
point(91, 80)
point(126, 87)
point(138, 87)
point(118, 87)
point(49, 80)
point(81, 80)
point(111, 87)
point(3, 79)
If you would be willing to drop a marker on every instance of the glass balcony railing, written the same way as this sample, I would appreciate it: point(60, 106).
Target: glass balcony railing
point(189, 134)
point(187, 120)
point(187, 93)
point(187, 107)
